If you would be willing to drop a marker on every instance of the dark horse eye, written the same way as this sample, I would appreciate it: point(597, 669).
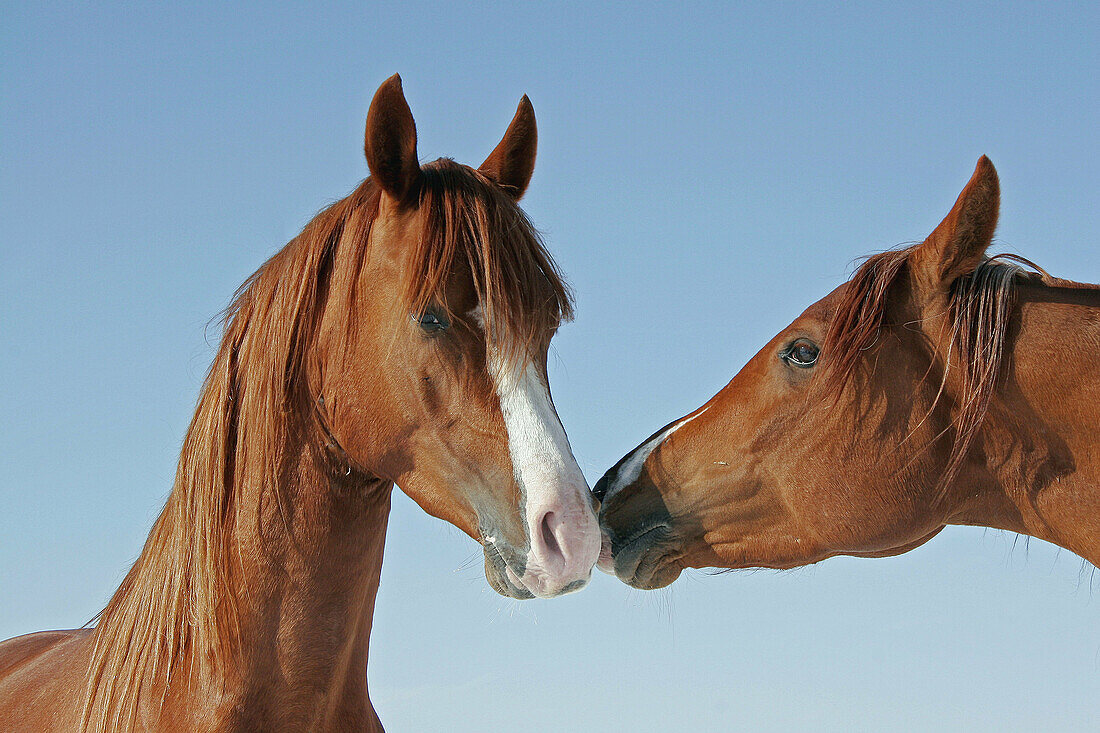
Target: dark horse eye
point(801, 354)
point(431, 322)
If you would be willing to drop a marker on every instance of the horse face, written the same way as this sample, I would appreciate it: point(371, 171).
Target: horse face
point(461, 419)
point(788, 464)
point(766, 473)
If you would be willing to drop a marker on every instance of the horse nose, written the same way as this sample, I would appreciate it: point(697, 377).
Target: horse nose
point(564, 547)
point(550, 543)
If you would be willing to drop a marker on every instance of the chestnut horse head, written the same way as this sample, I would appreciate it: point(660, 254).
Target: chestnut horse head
point(429, 363)
point(930, 389)
point(401, 338)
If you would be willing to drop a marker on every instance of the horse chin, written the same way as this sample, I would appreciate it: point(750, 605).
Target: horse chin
point(503, 580)
point(658, 575)
point(648, 561)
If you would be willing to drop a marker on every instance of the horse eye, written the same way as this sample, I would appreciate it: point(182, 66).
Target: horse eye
point(802, 354)
point(431, 322)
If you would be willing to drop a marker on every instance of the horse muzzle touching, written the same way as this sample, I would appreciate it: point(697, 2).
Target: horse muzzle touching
point(563, 544)
point(642, 541)
point(560, 533)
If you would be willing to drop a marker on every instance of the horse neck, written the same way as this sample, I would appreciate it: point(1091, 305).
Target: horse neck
point(1041, 449)
point(279, 638)
point(308, 565)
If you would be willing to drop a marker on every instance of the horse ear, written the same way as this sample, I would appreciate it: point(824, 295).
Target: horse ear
point(513, 160)
point(390, 142)
point(958, 244)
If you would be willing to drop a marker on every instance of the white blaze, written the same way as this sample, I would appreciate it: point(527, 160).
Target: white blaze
point(555, 490)
point(631, 469)
point(540, 451)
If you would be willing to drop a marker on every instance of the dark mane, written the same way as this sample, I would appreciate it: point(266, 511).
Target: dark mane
point(256, 404)
point(981, 305)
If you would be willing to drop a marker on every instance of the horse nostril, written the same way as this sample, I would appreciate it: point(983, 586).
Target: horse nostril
point(549, 546)
point(600, 489)
point(549, 539)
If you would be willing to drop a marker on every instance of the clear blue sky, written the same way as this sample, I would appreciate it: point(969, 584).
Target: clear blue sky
point(704, 174)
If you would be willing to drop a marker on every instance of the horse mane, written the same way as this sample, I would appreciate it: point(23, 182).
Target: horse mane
point(980, 305)
point(256, 405)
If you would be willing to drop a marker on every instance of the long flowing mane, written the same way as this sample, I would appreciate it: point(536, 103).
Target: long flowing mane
point(981, 305)
point(256, 405)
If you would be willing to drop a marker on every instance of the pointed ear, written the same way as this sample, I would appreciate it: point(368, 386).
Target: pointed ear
point(390, 143)
point(958, 244)
point(513, 161)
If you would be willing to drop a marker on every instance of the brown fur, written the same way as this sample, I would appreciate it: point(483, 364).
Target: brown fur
point(945, 392)
point(980, 304)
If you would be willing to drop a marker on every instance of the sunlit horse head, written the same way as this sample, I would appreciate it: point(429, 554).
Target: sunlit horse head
point(429, 361)
point(401, 338)
point(937, 386)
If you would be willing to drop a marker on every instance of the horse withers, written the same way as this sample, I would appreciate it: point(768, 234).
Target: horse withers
point(938, 386)
point(400, 338)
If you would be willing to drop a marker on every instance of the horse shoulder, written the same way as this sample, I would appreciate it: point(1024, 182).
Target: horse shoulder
point(42, 680)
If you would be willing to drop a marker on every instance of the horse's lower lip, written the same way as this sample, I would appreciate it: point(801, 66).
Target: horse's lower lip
point(651, 564)
point(625, 551)
point(653, 569)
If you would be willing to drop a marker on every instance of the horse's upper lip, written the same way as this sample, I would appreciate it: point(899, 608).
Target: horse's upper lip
point(641, 534)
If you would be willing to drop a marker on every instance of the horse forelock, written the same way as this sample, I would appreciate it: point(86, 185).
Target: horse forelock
point(256, 399)
point(470, 223)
